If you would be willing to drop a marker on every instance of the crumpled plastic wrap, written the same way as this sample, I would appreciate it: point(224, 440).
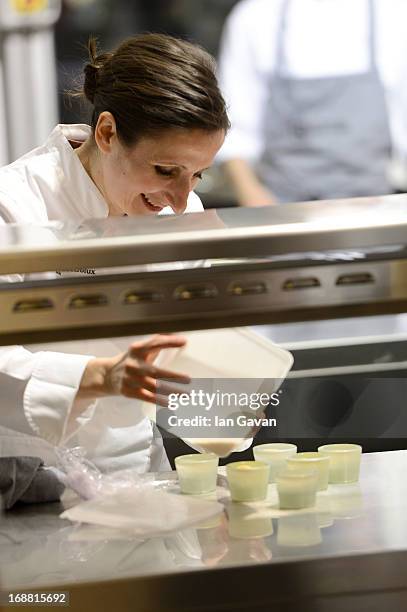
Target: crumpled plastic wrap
point(78, 473)
point(145, 511)
point(139, 503)
point(83, 477)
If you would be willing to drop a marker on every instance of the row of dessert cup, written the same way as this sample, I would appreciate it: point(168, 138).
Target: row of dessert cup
point(298, 476)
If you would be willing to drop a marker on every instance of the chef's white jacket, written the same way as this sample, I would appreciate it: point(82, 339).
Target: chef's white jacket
point(323, 38)
point(37, 386)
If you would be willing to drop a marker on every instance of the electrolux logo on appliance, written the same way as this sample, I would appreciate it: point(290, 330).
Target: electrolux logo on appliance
point(77, 271)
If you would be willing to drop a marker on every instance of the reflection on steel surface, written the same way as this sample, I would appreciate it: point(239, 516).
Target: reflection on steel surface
point(279, 264)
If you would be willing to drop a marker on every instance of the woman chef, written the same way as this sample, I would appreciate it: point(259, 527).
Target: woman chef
point(158, 121)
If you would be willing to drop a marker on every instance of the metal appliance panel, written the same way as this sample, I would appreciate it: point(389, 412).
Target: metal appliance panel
point(357, 266)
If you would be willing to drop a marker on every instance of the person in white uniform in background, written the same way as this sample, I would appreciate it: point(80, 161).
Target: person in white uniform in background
point(317, 94)
point(158, 121)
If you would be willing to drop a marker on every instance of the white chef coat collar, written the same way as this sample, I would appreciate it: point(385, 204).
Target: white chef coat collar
point(83, 190)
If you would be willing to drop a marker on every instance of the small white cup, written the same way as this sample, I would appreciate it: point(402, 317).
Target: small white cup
point(276, 455)
point(297, 488)
point(248, 480)
point(344, 466)
point(314, 461)
point(197, 474)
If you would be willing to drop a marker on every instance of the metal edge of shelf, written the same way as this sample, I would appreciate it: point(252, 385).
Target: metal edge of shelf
point(196, 244)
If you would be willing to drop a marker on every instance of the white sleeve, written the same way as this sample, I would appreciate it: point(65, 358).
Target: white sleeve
point(38, 390)
point(244, 87)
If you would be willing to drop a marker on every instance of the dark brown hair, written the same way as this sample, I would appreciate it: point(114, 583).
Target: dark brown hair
point(154, 82)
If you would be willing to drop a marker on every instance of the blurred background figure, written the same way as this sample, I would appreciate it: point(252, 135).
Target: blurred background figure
point(317, 93)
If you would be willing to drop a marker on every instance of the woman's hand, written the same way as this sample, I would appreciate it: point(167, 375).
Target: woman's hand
point(133, 373)
point(256, 196)
point(248, 189)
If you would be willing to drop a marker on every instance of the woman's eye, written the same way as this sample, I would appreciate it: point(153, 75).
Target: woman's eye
point(164, 171)
point(171, 172)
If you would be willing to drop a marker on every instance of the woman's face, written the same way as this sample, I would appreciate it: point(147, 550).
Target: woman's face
point(156, 172)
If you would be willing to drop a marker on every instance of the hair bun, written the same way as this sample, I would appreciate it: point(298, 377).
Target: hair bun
point(90, 84)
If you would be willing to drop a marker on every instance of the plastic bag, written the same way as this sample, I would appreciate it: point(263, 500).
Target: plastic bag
point(145, 511)
point(78, 473)
point(81, 475)
point(140, 503)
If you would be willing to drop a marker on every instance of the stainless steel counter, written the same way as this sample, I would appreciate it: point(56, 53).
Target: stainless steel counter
point(350, 553)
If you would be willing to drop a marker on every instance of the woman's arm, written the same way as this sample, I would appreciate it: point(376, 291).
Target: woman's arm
point(45, 393)
point(248, 189)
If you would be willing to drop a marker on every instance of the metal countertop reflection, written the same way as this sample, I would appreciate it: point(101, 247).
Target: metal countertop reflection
point(39, 549)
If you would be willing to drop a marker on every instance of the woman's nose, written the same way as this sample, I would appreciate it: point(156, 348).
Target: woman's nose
point(179, 196)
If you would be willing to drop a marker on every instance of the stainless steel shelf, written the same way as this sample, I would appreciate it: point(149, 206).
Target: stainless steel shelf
point(292, 228)
point(116, 276)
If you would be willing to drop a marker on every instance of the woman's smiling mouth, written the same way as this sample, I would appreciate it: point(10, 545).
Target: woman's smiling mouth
point(148, 204)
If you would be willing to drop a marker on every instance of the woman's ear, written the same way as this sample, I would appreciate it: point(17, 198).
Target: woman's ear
point(105, 132)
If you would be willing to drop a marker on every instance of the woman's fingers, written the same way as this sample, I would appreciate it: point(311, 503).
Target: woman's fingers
point(168, 375)
point(156, 343)
point(144, 395)
point(149, 349)
point(174, 339)
point(152, 385)
point(135, 369)
point(134, 375)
